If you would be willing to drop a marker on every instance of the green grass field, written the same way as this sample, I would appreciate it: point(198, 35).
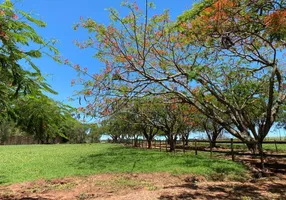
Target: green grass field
point(31, 162)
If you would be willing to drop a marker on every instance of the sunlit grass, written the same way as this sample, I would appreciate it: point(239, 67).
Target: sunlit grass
point(31, 162)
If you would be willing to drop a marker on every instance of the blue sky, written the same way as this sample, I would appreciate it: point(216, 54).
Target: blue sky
point(60, 16)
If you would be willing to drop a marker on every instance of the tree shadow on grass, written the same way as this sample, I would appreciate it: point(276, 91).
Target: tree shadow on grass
point(115, 159)
point(227, 191)
point(127, 159)
point(217, 166)
point(278, 188)
point(3, 179)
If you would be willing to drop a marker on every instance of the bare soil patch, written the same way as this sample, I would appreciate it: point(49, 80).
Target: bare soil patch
point(162, 186)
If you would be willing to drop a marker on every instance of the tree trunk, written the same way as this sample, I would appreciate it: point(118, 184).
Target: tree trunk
point(213, 143)
point(115, 139)
point(148, 134)
point(185, 137)
point(212, 138)
point(136, 142)
point(251, 145)
point(47, 139)
point(149, 143)
point(172, 143)
point(186, 142)
point(260, 150)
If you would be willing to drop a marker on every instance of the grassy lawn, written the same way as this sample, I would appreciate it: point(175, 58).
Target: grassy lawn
point(271, 147)
point(31, 162)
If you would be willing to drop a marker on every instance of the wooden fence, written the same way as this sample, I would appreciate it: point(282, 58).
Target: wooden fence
point(15, 140)
point(18, 140)
point(203, 145)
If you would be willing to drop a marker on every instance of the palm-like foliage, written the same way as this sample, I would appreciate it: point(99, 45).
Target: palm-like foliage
point(41, 117)
point(16, 37)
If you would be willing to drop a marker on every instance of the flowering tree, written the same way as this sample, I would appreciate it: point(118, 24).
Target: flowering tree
point(175, 120)
point(144, 112)
point(118, 127)
point(245, 40)
point(151, 116)
point(158, 115)
point(223, 57)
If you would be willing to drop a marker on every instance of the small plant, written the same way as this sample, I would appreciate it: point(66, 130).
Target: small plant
point(246, 198)
point(83, 196)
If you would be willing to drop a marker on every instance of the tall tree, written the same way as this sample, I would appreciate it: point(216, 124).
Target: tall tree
point(249, 36)
point(230, 50)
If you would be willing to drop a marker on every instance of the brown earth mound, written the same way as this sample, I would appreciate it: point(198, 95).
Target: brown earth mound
point(162, 186)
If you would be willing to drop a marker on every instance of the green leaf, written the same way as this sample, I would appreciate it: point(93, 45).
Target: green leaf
point(34, 67)
point(34, 53)
point(31, 19)
point(47, 88)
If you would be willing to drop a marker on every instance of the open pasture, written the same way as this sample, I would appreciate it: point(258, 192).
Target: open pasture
point(31, 162)
point(113, 171)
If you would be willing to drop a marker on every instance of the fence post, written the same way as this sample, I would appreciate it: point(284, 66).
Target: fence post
point(211, 150)
point(196, 150)
point(160, 145)
point(183, 144)
point(276, 146)
point(166, 145)
point(231, 146)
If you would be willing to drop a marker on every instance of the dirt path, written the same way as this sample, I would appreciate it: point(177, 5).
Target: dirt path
point(161, 186)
